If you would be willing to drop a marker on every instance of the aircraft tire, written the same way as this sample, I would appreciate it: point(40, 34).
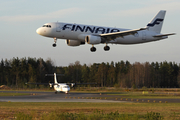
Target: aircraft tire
point(54, 45)
point(93, 49)
point(106, 48)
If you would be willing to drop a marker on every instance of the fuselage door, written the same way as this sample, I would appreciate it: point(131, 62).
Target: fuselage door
point(58, 27)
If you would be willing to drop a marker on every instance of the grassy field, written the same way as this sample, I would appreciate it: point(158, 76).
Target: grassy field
point(13, 94)
point(37, 110)
point(96, 111)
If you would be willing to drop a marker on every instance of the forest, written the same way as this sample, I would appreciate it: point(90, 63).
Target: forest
point(123, 74)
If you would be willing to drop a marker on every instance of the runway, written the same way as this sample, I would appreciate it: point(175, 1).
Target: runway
point(52, 97)
point(36, 96)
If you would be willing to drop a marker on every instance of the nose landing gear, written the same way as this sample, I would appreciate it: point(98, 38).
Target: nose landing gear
point(54, 45)
point(55, 40)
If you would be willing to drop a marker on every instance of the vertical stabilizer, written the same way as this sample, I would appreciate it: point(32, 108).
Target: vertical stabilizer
point(157, 22)
point(55, 79)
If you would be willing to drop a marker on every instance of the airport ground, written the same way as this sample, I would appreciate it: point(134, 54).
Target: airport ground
point(39, 103)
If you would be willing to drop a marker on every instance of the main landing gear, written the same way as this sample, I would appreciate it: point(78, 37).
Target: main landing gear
point(55, 40)
point(93, 49)
point(106, 48)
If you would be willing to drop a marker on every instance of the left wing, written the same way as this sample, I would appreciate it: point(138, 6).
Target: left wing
point(42, 83)
point(73, 84)
point(112, 36)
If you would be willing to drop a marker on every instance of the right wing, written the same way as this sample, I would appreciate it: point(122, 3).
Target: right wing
point(112, 36)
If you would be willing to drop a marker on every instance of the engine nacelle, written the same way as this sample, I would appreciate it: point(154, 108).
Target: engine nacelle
point(72, 84)
point(50, 84)
point(74, 42)
point(91, 39)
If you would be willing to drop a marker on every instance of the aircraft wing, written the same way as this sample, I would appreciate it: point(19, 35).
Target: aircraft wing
point(112, 36)
point(42, 83)
point(73, 84)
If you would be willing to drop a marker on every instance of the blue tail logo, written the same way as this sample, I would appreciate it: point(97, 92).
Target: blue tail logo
point(157, 21)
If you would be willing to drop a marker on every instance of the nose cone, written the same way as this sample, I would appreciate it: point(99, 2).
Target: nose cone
point(38, 31)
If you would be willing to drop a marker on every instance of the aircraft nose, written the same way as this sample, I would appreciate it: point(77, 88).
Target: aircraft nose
point(38, 31)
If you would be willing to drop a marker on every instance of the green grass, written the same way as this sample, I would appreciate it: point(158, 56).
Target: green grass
point(97, 115)
point(13, 94)
point(167, 110)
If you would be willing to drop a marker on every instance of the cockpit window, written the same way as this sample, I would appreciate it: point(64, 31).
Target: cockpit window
point(47, 26)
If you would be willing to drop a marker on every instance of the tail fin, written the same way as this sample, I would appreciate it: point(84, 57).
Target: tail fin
point(55, 79)
point(157, 22)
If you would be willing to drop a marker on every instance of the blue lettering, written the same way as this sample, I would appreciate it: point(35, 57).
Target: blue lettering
point(66, 26)
point(90, 29)
point(100, 29)
point(81, 29)
point(114, 30)
point(157, 21)
point(107, 31)
point(73, 27)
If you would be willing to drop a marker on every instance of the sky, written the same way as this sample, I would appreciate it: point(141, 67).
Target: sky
point(20, 18)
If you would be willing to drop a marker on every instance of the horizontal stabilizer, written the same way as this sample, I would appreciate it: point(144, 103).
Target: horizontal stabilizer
point(162, 35)
point(53, 74)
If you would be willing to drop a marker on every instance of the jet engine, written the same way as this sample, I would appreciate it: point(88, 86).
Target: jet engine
point(72, 84)
point(91, 39)
point(50, 84)
point(74, 42)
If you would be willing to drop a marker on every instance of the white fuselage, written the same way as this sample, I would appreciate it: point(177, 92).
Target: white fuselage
point(62, 88)
point(79, 32)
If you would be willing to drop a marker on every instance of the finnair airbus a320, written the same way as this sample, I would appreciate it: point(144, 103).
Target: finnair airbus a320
point(78, 34)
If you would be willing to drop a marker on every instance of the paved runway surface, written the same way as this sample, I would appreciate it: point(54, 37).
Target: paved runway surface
point(35, 96)
point(52, 97)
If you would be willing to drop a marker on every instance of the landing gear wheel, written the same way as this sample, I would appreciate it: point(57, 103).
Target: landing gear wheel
point(54, 45)
point(55, 40)
point(93, 49)
point(56, 92)
point(106, 48)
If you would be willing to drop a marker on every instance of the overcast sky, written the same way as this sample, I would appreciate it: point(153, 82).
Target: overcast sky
point(20, 18)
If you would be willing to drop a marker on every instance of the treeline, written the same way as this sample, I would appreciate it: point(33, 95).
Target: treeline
point(16, 72)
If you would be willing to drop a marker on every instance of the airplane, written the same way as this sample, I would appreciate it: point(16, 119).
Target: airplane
point(79, 34)
point(58, 87)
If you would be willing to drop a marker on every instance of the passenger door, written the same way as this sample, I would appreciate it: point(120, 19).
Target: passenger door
point(58, 27)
